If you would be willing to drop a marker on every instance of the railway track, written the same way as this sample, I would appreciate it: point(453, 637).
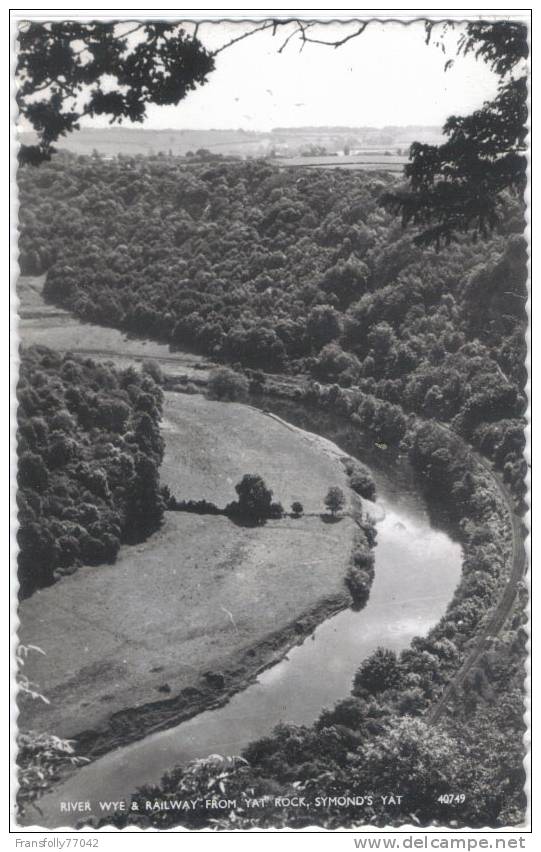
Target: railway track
point(502, 609)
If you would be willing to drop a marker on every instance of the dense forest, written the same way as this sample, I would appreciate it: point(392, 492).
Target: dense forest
point(308, 275)
point(89, 449)
point(289, 271)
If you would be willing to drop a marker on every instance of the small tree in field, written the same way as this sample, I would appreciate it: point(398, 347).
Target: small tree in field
point(297, 509)
point(335, 499)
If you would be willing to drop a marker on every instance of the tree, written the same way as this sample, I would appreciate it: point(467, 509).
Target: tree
point(71, 69)
point(297, 509)
point(32, 472)
point(419, 760)
point(38, 552)
point(83, 484)
point(335, 499)
point(153, 369)
point(346, 280)
point(377, 673)
point(144, 499)
point(323, 325)
point(459, 186)
point(333, 363)
point(255, 498)
point(361, 480)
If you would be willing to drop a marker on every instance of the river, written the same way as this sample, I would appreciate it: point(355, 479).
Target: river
point(417, 569)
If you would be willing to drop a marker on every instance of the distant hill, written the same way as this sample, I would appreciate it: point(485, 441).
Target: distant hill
point(285, 141)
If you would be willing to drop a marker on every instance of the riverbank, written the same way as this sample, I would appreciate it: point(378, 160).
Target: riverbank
point(41, 323)
point(417, 569)
point(497, 521)
point(186, 619)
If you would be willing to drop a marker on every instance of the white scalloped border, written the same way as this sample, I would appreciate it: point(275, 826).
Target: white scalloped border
point(251, 17)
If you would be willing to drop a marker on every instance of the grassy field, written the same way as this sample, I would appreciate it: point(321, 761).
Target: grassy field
point(201, 595)
point(139, 140)
point(382, 161)
point(44, 324)
point(210, 445)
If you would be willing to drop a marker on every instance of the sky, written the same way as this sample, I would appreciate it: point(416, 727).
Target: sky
point(387, 75)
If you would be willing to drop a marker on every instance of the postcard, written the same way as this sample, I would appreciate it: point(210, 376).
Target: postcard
point(270, 324)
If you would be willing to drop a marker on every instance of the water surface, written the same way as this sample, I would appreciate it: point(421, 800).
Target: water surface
point(417, 569)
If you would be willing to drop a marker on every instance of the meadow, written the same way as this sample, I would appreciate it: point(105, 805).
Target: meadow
point(191, 614)
point(42, 323)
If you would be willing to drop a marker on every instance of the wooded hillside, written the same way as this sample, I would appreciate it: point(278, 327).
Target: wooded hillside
point(89, 454)
point(290, 271)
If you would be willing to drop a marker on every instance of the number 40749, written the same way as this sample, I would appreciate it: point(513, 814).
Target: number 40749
point(452, 798)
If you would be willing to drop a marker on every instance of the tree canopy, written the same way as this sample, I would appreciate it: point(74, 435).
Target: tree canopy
point(71, 69)
point(245, 262)
point(458, 186)
point(89, 450)
point(335, 499)
point(255, 498)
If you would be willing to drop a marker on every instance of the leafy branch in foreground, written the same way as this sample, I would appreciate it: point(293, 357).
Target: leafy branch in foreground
point(70, 69)
point(90, 69)
point(40, 756)
point(458, 186)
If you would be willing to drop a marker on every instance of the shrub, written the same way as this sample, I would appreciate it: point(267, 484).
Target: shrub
point(377, 673)
point(276, 510)
point(84, 485)
point(225, 384)
point(360, 479)
point(153, 369)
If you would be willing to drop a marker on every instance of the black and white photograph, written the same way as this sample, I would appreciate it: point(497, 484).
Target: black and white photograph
point(270, 322)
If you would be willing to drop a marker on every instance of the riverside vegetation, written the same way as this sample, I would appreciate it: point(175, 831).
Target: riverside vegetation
point(382, 737)
point(194, 571)
point(311, 278)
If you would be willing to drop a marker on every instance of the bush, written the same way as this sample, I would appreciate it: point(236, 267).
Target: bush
point(200, 507)
point(360, 479)
point(227, 385)
point(358, 583)
point(378, 673)
point(276, 511)
point(255, 498)
point(153, 369)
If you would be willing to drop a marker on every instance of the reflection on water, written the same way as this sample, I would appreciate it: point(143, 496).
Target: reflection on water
point(417, 570)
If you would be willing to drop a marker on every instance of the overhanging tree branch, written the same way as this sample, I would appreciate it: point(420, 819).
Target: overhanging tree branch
point(454, 187)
